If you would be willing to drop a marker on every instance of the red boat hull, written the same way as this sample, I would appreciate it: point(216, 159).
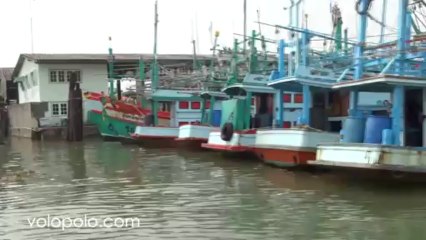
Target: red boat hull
point(285, 157)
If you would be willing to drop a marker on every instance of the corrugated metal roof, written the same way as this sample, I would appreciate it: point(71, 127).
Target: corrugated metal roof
point(117, 56)
point(101, 58)
point(161, 94)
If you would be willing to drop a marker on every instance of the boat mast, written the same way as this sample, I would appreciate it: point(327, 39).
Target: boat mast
point(154, 69)
point(245, 27)
point(337, 27)
point(399, 91)
point(361, 7)
point(195, 65)
point(382, 29)
point(110, 69)
point(216, 35)
point(154, 78)
point(253, 54)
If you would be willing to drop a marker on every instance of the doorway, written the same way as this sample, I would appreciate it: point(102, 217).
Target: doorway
point(319, 119)
point(263, 117)
point(413, 116)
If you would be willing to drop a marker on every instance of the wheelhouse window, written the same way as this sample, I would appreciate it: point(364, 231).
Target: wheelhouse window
point(195, 105)
point(287, 124)
point(298, 98)
point(287, 98)
point(183, 105)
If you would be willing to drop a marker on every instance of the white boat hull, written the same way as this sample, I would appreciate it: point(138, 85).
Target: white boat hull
point(370, 156)
point(241, 142)
point(195, 132)
point(290, 147)
point(156, 136)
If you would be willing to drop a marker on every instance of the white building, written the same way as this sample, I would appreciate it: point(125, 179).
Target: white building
point(45, 77)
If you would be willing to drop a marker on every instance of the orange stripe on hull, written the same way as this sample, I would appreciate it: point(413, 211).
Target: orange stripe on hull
point(190, 143)
point(284, 157)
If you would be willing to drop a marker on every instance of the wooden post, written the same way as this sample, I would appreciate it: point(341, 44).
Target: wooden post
point(3, 123)
point(75, 110)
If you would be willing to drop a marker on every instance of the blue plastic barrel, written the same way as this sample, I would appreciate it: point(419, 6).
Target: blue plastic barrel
point(374, 128)
point(217, 115)
point(387, 137)
point(353, 129)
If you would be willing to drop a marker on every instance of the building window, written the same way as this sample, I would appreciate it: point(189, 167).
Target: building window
point(55, 109)
point(61, 76)
point(53, 77)
point(69, 75)
point(64, 109)
point(33, 78)
point(27, 82)
point(59, 109)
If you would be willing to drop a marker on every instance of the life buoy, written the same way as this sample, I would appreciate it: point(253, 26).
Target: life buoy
point(227, 131)
point(149, 120)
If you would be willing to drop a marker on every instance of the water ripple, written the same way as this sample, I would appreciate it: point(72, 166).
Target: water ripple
point(189, 196)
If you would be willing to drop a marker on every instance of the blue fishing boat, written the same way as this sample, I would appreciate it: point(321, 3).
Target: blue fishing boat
point(392, 141)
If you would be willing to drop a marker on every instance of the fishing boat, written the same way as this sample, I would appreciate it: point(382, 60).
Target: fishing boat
point(393, 141)
point(179, 97)
point(286, 146)
point(185, 108)
point(323, 108)
point(115, 115)
point(238, 128)
point(249, 108)
point(117, 119)
point(191, 136)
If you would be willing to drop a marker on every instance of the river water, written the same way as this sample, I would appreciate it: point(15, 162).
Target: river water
point(178, 195)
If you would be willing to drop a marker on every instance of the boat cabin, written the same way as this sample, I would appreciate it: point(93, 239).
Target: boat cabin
point(403, 121)
point(184, 107)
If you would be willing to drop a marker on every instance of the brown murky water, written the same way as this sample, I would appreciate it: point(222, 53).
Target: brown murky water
point(191, 196)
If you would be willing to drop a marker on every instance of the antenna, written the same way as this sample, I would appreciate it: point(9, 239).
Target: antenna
point(258, 19)
point(31, 27)
point(197, 41)
point(211, 32)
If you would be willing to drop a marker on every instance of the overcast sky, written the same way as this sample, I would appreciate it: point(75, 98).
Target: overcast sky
point(83, 26)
